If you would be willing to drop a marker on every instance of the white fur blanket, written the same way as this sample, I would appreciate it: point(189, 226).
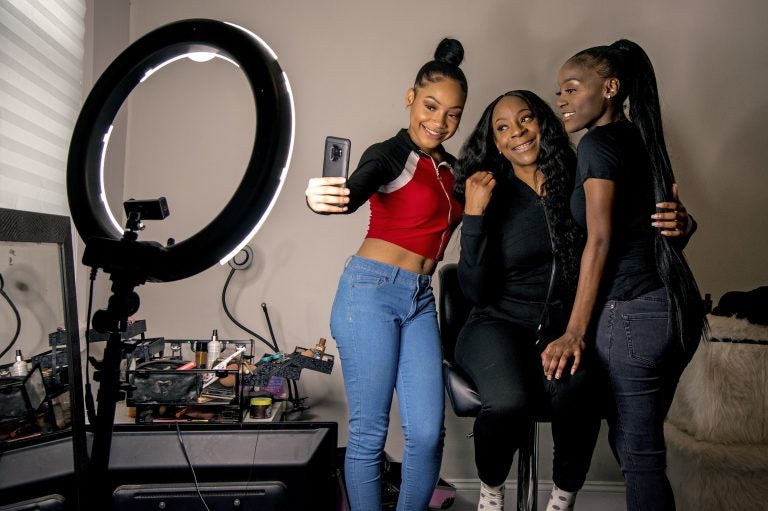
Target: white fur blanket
point(716, 477)
point(717, 428)
point(723, 394)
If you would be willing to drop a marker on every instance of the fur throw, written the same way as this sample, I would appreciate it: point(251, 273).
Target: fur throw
point(716, 477)
point(734, 328)
point(717, 427)
point(723, 393)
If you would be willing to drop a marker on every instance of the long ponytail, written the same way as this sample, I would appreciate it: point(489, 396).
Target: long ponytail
point(628, 62)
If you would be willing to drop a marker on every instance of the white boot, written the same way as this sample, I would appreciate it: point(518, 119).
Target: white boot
point(561, 500)
point(491, 498)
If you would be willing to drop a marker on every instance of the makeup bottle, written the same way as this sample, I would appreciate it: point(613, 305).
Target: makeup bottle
point(214, 348)
point(19, 367)
point(201, 354)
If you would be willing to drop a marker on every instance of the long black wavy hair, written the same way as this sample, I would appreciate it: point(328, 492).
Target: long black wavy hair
point(556, 161)
point(628, 62)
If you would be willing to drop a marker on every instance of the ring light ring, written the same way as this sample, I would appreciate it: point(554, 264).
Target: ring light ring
point(263, 177)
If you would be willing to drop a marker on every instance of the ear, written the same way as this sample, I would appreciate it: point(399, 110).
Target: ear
point(612, 86)
point(410, 95)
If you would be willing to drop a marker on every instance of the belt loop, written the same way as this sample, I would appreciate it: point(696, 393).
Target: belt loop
point(395, 272)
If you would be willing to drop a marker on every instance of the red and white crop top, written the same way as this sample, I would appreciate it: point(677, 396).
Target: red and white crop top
point(411, 198)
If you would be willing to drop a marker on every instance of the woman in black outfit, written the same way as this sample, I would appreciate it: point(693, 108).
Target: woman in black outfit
point(518, 265)
point(634, 278)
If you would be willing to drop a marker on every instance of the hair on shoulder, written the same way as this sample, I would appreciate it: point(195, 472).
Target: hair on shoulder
point(557, 163)
point(629, 62)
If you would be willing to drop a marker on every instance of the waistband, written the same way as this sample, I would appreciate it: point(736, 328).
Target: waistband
point(394, 274)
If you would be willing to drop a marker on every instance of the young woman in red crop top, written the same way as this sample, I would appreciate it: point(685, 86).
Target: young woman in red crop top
point(384, 319)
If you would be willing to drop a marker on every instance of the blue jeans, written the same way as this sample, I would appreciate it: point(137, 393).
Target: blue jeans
point(643, 361)
point(385, 326)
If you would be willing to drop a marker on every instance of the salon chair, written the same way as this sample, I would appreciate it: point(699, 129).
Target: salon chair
point(453, 310)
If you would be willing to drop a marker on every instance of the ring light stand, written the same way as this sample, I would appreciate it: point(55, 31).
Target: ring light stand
point(131, 262)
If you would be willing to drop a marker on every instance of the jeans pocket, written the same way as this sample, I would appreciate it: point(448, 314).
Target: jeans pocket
point(648, 337)
point(369, 280)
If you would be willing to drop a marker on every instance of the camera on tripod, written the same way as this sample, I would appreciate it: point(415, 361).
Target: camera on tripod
point(148, 209)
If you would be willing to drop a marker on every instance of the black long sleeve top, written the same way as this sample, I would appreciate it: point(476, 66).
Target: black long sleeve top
point(506, 256)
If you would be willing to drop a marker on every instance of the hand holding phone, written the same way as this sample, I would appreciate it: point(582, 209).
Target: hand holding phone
point(325, 193)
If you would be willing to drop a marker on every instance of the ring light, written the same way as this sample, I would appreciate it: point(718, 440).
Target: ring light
point(257, 192)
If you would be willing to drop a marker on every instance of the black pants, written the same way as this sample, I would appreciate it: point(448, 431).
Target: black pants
point(504, 362)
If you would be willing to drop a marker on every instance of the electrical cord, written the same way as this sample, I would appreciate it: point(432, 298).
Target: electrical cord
point(294, 398)
point(15, 313)
point(191, 468)
point(274, 346)
point(253, 458)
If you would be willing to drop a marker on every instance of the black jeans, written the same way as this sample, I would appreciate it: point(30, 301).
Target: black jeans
point(643, 362)
point(503, 361)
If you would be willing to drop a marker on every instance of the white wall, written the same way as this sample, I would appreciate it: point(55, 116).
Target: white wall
point(350, 63)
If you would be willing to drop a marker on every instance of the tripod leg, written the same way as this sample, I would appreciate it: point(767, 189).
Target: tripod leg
point(527, 470)
point(105, 419)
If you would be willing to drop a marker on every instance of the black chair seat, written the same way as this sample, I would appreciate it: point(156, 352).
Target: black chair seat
point(454, 310)
point(462, 394)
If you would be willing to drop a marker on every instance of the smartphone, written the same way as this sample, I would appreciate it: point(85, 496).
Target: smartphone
point(336, 158)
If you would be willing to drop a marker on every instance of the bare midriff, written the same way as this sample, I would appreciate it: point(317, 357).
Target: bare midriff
point(389, 253)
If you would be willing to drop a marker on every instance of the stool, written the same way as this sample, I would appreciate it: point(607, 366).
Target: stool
point(453, 310)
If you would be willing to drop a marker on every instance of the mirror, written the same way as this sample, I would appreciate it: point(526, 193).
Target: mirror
point(40, 393)
point(31, 308)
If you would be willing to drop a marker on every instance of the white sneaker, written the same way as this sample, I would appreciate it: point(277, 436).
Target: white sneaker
point(491, 498)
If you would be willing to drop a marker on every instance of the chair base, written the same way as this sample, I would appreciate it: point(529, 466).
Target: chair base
point(528, 470)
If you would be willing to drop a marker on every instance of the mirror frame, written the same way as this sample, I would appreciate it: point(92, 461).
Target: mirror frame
point(31, 227)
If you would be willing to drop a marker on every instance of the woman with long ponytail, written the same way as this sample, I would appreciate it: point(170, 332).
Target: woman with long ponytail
point(636, 294)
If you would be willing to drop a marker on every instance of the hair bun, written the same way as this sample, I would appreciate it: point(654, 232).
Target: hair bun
point(450, 51)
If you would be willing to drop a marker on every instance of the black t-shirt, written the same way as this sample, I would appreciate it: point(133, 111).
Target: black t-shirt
point(506, 255)
point(616, 152)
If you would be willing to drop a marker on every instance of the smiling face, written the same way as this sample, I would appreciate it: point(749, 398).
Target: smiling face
point(584, 98)
point(435, 112)
point(517, 133)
